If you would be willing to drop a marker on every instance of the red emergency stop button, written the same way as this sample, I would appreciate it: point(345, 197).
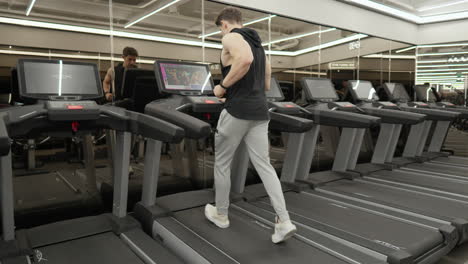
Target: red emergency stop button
point(210, 102)
point(74, 107)
point(289, 106)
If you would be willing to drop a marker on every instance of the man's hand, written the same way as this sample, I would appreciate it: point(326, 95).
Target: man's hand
point(109, 96)
point(219, 91)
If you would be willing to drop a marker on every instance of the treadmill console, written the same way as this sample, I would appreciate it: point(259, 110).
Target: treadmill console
point(72, 110)
point(285, 107)
point(205, 104)
point(445, 104)
point(385, 105)
point(418, 105)
point(342, 106)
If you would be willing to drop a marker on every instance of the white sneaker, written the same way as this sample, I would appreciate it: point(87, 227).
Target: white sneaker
point(211, 213)
point(283, 231)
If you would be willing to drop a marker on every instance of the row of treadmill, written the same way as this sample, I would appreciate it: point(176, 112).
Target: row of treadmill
point(407, 209)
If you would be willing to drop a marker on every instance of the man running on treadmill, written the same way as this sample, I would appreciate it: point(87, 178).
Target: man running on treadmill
point(246, 71)
point(114, 76)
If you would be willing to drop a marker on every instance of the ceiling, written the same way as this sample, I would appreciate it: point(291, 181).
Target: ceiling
point(182, 20)
point(427, 7)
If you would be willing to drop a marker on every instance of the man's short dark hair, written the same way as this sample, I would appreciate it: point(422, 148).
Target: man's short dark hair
point(230, 14)
point(129, 51)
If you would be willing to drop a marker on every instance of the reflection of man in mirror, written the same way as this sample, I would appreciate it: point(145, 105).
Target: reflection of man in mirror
point(343, 90)
point(112, 84)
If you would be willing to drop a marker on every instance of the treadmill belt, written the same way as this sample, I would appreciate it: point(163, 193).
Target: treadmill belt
point(362, 225)
point(249, 241)
point(424, 180)
point(407, 200)
point(439, 168)
point(99, 249)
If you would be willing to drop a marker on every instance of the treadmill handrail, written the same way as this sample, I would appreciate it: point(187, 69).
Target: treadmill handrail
point(194, 128)
point(111, 117)
point(146, 126)
point(463, 111)
point(395, 116)
point(334, 118)
point(288, 123)
point(432, 114)
point(5, 141)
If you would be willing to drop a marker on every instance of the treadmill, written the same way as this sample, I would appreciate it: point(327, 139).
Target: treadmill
point(428, 95)
point(139, 88)
point(416, 142)
point(340, 183)
point(179, 218)
point(401, 241)
point(66, 90)
point(381, 167)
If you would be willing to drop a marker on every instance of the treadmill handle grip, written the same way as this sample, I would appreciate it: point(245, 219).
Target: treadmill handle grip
point(5, 141)
point(288, 123)
point(194, 128)
point(141, 124)
point(329, 117)
point(433, 114)
point(395, 116)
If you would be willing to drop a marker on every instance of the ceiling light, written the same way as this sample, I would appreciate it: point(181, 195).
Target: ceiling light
point(403, 57)
point(442, 65)
point(406, 49)
point(441, 6)
point(69, 56)
point(30, 6)
point(440, 73)
point(388, 10)
point(443, 70)
point(442, 54)
point(408, 16)
point(299, 36)
point(431, 61)
point(129, 24)
point(305, 72)
point(331, 44)
point(445, 17)
point(245, 24)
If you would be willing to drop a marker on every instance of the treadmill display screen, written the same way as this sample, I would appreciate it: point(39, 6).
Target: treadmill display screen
point(397, 91)
point(319, 88)
point(363, 90)
point(275, 90)
point(40, 79)
point(424, 93)
point(180, 76)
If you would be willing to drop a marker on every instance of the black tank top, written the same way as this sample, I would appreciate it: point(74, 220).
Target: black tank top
point(246, 98)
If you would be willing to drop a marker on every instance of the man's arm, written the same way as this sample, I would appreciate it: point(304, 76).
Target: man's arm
point(106, 85)
point(267, 74)
point(241, 57)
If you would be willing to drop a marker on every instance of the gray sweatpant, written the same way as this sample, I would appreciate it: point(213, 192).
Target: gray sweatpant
point(231, 132)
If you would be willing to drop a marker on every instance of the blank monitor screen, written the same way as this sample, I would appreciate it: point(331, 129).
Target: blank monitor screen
point(180, 76)
point(319, 88)
point(397, 91)
point(363, 90)
point(275, 90)
point(43, 78)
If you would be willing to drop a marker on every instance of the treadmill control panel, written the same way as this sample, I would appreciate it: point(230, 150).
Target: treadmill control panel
point(385, 105)
point(445, 104)
point(342, 106)
point(418, 105)
point(205, 104)
point(286, 107)
point(72, 110)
